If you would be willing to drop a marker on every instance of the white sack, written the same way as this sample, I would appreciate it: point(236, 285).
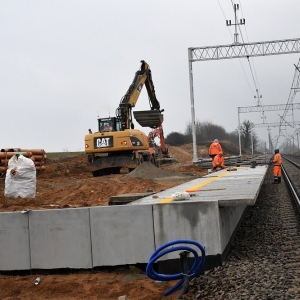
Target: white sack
point(23, 183)
point(180, 196)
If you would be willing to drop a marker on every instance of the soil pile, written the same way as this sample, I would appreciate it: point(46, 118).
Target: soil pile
point(148, 171)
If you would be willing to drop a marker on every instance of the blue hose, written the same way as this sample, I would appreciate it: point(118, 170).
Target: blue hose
point(193, 272)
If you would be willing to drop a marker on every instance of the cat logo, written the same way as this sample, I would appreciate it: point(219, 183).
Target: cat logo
point(102, 142)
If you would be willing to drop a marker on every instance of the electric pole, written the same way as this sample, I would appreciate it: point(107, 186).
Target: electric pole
point(242, 22)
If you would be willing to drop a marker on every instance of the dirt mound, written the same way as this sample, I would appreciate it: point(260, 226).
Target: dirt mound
point(148, 171)
point(184, 153)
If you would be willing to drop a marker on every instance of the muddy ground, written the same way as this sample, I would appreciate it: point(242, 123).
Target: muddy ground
point(68, 182)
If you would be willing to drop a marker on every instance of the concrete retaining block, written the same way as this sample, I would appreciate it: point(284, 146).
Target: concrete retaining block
point(121, 234)
point(60, 239)
point(14, 242)
point(193, 221)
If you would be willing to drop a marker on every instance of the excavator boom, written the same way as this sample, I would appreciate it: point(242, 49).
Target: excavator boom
point(148, 118)
point(163, 150)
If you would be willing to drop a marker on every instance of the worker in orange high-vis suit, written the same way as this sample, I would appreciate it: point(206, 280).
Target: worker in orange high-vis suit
point(214, 149)
point(216, 163)
point(277, 162)
point(221, 159)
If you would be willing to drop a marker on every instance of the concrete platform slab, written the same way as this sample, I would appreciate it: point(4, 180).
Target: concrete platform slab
point(228, 188)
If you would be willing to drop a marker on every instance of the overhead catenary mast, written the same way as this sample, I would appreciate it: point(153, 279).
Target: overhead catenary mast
point(242, 22)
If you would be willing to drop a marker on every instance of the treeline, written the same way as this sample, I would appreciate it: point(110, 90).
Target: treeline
point(207, 132)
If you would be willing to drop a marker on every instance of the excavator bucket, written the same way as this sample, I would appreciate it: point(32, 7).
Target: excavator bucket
point(149, 118)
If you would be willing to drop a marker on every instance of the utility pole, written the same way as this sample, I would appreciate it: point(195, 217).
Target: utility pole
point(270, 141)
point(252, 148)
point(242, 22)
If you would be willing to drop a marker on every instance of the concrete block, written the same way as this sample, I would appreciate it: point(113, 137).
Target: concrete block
point(121, 234)
point(60, 239)
point(14, 242)
point(230, 216)
point(197, 221)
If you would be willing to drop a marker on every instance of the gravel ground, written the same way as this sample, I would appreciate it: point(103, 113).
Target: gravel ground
point(264, 261)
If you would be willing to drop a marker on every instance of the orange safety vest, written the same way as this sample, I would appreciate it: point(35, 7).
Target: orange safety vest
point(277, 161)
point(214, 148)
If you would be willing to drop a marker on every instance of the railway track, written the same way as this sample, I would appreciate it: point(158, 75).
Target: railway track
point(264, 259)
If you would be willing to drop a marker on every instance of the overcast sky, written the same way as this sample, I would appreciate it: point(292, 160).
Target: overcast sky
point(64, 62)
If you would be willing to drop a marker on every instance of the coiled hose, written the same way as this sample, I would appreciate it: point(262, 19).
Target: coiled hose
point(193, 272)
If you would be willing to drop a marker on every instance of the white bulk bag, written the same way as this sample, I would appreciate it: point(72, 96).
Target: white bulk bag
point(23, 182)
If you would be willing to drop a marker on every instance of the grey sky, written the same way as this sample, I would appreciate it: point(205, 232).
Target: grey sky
point(64, 62)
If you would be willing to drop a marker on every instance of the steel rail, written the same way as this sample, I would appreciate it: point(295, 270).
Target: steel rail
point(290, 185)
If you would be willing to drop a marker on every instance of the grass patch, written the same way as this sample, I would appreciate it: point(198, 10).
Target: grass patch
point(58, 155)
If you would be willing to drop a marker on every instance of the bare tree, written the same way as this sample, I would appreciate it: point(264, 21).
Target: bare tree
point(248, 134)
point(206, 131)
point(176, 139)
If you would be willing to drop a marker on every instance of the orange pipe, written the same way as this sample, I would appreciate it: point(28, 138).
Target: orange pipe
point(34, 151)
point(9, 155)
point(40, 168)
point(38, 157)
point(8, 150)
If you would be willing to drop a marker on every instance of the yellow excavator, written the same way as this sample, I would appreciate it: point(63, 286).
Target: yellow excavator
point(117, 144)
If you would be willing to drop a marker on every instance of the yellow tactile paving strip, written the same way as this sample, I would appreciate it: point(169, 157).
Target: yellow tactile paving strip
point(195, 187)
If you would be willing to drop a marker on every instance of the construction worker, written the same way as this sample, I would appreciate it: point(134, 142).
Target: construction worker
point(214, 149)
point(277, 162)
point(221, 159)
point(107, 128)
point(216, 163)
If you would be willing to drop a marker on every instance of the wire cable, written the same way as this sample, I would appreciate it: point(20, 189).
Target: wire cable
point(193, 272)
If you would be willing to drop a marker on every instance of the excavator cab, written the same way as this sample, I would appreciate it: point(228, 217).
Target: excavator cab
point(109, 124)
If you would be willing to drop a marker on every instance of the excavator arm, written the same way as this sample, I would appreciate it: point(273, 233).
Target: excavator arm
point(158, 132)
point(150, 118)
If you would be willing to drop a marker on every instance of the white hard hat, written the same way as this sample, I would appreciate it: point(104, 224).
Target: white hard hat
point(216, 141)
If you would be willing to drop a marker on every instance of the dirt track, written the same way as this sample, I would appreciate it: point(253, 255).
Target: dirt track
point(68, 182)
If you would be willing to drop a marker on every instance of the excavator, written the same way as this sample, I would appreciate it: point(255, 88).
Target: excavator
point(161, 152)
point(117, 144)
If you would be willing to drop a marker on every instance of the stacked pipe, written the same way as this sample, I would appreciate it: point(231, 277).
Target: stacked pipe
point(38, 156)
